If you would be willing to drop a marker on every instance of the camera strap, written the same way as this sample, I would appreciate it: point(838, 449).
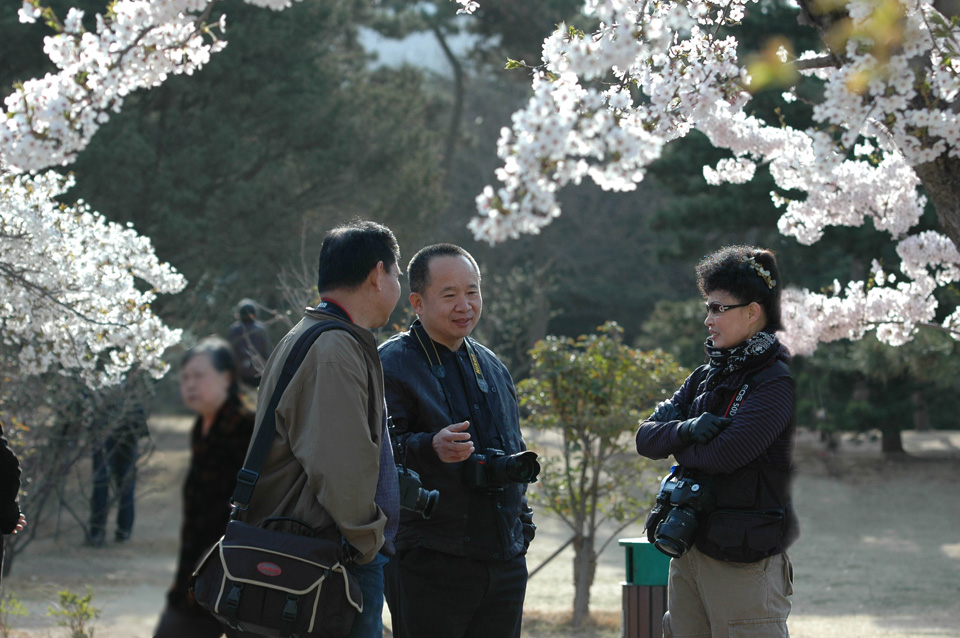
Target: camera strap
point(436, 367)
point(776, 369)
point(475, 363)
point(248, 475)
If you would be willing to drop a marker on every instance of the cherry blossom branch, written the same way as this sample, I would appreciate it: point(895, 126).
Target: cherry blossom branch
point(874, 123)
point(17, 277)
point(819, 62)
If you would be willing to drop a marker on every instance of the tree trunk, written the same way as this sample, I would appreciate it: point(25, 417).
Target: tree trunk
point(456, 110)
point(921, 413)
point(941, 181)
point(941, 177)
point(584, 569)
point(891, 441)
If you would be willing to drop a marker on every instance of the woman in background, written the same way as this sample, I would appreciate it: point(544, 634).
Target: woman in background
point(218, 442)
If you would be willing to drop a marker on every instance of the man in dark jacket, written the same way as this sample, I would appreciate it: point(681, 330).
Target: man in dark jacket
point(461, 572)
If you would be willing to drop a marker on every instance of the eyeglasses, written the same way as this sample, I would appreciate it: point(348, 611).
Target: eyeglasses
point(717, 308)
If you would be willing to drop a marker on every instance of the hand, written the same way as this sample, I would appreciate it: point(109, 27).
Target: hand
point(20, 524)
point(452, 444)
point(703, 428)
point(666, 411)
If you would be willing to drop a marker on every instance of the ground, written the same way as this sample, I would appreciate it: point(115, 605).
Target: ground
point(879, 553)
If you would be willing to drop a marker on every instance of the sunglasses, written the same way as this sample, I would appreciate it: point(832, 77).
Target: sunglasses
point(717, 308)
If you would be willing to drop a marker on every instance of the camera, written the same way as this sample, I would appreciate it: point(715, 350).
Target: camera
point(494, 469)
point(680, 501)
point(412, 495)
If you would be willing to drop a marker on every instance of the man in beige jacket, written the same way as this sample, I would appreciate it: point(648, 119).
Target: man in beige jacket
point(331, 463)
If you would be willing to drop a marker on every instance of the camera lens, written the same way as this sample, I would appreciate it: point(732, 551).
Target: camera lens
point(426, 501)
point(675, 534)
point(669, 547)
point(413, 496)
point(523, 467)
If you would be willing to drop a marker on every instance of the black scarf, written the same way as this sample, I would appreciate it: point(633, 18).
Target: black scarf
point(751, 354)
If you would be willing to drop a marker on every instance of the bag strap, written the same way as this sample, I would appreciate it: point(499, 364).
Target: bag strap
point(247, 477)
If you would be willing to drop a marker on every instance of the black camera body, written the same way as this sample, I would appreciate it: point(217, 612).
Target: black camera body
point(495, 469)
point(412, 495)
point(673, 521)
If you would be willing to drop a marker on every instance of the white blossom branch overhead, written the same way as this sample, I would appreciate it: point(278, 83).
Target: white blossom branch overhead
point(665, 72)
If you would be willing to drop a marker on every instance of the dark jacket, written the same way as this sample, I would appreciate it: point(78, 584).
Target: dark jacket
point(9, 491)
point(486, 525)
point(9, 487)
point(251, 344)
point(748, 464)
point(215, 460)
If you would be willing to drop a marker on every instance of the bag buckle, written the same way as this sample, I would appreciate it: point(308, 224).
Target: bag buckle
point(233, 598)
point(290, 608)
point(231, 605)
point(246, 481)
point(247, 477)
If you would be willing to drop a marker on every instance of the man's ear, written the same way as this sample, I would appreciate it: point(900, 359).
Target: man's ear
point(376, 275)
point(416, 301)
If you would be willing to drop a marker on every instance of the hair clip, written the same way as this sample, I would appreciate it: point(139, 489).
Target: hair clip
point(763, 272)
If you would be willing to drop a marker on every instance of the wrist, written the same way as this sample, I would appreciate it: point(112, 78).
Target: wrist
point(429, 454)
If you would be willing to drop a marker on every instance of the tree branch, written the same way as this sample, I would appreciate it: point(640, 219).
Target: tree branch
point(821, 62)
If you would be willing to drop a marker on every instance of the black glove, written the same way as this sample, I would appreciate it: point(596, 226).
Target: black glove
point(703, 428)
point(666, 411)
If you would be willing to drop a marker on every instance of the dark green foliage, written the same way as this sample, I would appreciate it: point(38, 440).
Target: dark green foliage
point(866, 385)
point(676, 327)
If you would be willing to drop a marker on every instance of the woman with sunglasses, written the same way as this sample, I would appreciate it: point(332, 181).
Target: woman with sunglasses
point(725, 514)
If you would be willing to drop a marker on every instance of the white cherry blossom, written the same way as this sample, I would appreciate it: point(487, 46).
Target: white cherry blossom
point(682, 77)
point(76, 290)
point(857, 164)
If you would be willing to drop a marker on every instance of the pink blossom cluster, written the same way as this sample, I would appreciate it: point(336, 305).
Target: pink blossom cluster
point(684, 78)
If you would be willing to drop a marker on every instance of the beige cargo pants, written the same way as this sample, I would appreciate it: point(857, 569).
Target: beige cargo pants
point(709, 598)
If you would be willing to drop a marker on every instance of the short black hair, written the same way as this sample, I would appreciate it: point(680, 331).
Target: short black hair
point(221, 356)
point(736, 269)
point(418, 270)
point(348, 254)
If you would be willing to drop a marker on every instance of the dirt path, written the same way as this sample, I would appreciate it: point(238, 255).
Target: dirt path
point(879, 555)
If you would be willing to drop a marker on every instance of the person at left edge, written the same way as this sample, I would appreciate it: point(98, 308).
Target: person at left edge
point(331, 463)
point(12, 519)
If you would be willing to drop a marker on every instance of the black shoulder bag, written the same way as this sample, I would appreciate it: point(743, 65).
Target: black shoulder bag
point(265, 582)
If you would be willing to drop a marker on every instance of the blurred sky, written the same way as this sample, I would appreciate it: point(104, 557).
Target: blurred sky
point(417, 49)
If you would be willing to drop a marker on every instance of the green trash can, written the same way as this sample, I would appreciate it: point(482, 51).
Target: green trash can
point(645, 590)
